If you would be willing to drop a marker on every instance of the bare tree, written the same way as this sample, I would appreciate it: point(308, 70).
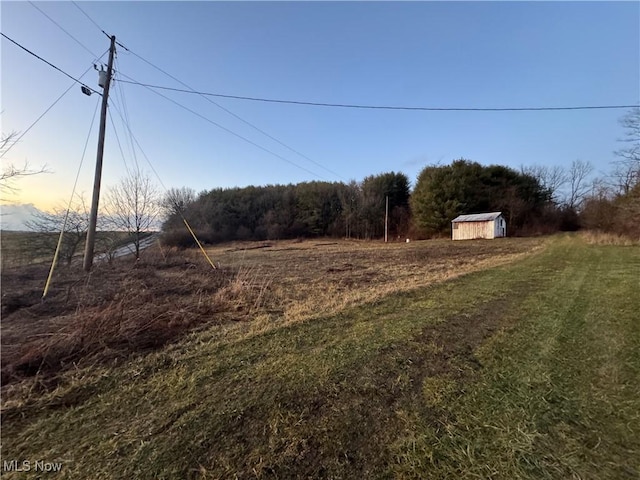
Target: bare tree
point(134, 206)
point(626, 170)
point(578, 181)
point(176, 200)
point(7, 141)
point(552, 179)
point(10, 173)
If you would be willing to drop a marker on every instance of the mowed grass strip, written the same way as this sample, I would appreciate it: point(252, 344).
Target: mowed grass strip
point(559, 393)
point(525, 371)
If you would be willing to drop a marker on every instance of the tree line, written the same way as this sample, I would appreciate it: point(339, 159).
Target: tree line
point(534, 199)
point(358, 209)
point(308, 209)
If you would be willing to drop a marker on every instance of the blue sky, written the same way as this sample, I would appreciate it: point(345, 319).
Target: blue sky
point(432, 54)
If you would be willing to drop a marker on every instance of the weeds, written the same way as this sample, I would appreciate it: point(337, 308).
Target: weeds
point(595, 237)
point(121, 309)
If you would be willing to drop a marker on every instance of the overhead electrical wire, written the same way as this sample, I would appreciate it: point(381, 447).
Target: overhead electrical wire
point(141, 149)
point(206, 95)
point(385, 107)
point(37, 120)
point(228, 111)
point(343, 105)
point(90, 19)
point(291, 162)
point(61, 28)
point(115, 131)
point(120, 92)
point(317, 104)
point(51, 64)
point(50, 107)
point(298, 102)
point(186, 223)
point(192, 90)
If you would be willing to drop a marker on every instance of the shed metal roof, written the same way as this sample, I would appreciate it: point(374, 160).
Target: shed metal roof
point(477, 217)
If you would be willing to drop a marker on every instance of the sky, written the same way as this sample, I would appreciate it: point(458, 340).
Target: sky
point(413, 54)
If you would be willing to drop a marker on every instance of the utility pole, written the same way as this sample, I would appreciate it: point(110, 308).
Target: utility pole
point(95, 200)
point(386, 221)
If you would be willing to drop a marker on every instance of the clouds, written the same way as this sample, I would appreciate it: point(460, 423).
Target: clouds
point(14, 217)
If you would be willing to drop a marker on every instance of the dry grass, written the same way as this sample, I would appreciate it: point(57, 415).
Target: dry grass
point(129, 308)
point(117, 310)
point(123, 308)
point(595, 237)
point(316, 278)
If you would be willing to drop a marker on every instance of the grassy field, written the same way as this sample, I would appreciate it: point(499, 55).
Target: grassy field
point(124, 307)
point(23, 248)
point(526, 366)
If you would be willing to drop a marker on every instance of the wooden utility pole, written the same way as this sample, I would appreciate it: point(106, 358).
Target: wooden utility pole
point(386, 221)
point(95, 200)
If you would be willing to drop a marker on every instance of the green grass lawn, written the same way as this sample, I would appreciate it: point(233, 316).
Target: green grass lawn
point(530, 370)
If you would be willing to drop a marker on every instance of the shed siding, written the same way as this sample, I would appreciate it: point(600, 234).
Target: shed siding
point(478, 225)
point(471, 230)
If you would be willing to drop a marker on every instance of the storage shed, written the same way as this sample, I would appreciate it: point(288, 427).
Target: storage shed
point(478, 225)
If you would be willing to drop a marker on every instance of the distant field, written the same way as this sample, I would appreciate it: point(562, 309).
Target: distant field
point(17, 249)
point(27, 248)
point(514, 359)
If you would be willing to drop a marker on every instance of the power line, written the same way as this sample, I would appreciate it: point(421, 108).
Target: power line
point(123, 102)
point(385, 107)
point(192, 90)
point(38, 119)
point(178, 209)
point(166, 98)
point(234, 133)
point(61, 28)
point(47, 110)
point(139, 146)
point(51, 64)
point(115, 131)
point(90, 19)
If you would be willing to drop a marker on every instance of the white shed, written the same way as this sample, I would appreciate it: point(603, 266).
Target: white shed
point(479, 225)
